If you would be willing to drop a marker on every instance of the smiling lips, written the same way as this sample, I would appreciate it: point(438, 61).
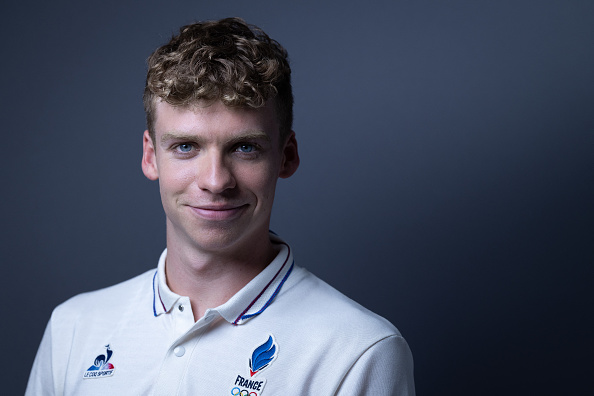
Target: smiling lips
point(218, 212)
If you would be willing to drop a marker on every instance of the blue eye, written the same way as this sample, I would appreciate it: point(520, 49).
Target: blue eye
point(246, 148)
point(185, 147)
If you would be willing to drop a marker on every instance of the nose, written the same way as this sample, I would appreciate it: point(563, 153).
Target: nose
point(214, 174)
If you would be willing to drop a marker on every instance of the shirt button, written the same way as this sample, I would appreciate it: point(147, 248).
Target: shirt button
point(179, 351)
point(181, 308)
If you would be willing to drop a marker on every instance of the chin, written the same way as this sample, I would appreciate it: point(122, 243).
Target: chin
point(220, 240)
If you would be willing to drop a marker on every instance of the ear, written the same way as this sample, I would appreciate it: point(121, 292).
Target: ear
point(290, 159)
point(149, 158)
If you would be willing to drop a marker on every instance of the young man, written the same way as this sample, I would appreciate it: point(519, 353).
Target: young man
point(227, 311)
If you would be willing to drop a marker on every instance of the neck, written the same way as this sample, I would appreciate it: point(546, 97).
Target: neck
point(211, 279)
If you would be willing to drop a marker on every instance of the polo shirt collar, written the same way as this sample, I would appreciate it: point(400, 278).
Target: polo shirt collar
point(163, 298)
point(250, 301)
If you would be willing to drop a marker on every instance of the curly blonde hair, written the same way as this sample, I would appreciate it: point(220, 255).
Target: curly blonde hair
point(226, 60)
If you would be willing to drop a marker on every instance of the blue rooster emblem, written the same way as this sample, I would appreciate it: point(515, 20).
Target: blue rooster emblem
point(263, 356)
point(102, 361)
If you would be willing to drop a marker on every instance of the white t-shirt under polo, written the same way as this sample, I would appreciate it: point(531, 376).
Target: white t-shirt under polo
point(285, 332)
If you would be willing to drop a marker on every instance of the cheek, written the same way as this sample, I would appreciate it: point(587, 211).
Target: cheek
point(262, 174)
point(261, 183)
point(173, 179)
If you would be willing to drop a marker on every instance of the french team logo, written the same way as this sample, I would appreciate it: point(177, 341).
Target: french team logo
point(101, 367)
point(262, 357)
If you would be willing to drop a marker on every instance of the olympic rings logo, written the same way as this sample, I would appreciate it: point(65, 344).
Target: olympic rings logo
point(242, 392)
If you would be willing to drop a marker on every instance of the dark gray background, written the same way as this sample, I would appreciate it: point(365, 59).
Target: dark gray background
point(446, 179)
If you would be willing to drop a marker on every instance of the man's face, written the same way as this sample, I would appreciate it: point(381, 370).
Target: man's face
point(217, 169)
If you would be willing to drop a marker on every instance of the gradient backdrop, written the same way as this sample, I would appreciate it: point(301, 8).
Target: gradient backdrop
point(447, 175)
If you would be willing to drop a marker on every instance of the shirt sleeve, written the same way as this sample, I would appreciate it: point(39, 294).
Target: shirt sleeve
point(386, 368)
point(41, 379)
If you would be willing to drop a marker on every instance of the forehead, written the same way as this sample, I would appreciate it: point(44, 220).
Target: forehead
point(215, 119)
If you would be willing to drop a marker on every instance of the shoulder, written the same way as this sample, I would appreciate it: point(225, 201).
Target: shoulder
point(104, 301)
point(80, 324)
point(327, 319)
point(329, 307)
point(341, 345)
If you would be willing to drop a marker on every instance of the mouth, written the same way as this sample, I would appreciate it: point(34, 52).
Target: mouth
point(218, 212)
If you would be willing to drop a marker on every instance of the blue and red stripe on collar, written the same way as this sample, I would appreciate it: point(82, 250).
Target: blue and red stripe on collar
point(265, 298)
point(250, 301)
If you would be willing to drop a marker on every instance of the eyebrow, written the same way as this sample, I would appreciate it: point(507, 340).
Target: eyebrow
point(248, 135)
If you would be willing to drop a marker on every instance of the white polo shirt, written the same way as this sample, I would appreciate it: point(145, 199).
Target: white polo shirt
point(285, 332)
